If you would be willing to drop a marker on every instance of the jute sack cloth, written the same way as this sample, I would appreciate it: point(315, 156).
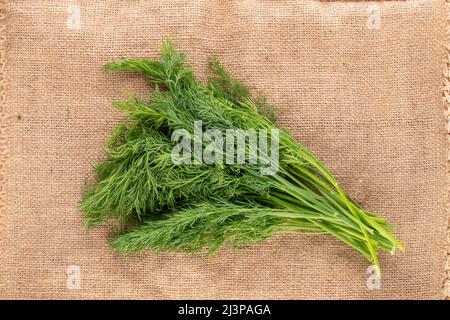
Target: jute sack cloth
point(358, 82)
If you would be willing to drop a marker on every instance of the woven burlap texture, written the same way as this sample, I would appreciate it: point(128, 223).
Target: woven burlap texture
point(360, 83)
point(446, 99)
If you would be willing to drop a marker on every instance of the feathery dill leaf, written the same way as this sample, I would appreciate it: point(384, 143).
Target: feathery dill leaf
point(188, 207)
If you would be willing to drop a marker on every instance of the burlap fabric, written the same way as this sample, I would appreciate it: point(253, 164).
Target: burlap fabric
point(446, 99)
point(360, 83)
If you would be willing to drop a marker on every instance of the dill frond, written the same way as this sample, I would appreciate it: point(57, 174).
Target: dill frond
point(162, 205)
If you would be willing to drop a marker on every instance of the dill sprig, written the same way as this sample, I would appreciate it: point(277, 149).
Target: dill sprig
point(162, 205)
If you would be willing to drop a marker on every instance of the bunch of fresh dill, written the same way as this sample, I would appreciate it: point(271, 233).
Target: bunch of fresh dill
point(189, 205)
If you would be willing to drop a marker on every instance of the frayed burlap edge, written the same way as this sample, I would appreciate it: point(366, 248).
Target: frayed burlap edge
point(3, 138)
point(446, 98)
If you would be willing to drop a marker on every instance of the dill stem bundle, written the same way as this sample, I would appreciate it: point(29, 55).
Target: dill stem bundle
point(162, 205)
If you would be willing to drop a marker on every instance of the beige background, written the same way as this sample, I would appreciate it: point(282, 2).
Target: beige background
point(366, 100)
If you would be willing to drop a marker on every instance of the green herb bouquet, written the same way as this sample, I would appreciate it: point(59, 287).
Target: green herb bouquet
point(174, 183)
